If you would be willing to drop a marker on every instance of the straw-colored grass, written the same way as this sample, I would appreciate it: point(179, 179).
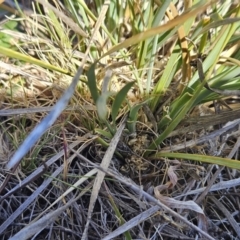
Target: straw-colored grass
point(119, 120)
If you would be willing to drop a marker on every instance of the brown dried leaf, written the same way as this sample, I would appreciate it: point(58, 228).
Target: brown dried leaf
point(173, 203)
point(172, 175)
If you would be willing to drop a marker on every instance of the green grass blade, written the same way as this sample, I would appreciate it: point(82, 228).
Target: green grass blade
point(119, 215)
point(175, 110)
point(132, 117)
point(160, 29)
point(120, 97)
point(92, 83)
point(73, 9)
point(147, 20)
point(101, 105)
point(60, 34)
point(103, 133)
point(210, 62)
point(175, 121)
point(202, 158)
point(224, 35)
point(16, 55)
point(165, 80)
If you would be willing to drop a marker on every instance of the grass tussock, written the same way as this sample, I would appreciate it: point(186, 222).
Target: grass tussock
point(119, 120)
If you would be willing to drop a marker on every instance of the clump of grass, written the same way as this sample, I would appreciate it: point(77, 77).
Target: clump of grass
point(103, 96)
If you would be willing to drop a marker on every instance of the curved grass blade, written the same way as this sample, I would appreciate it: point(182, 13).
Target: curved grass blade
point(118, 213)
point(215, 24)
point(120, 97)
point(101, 105)
point(196, 9)
point(174, 110)
point(165, 80)
point(210, 62)
point(175, 121)
point(103, 133)
point(202, 158)
point(92, 83)
point(74, 26)
point(100, 175)
point(133, 115)
point(16, 55)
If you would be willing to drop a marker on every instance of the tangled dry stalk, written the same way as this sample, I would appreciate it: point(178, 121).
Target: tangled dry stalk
point(78, 181)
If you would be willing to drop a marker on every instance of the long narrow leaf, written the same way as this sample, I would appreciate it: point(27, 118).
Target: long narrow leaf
point(13, 54)
point(133, 115)
point(160, 29)
point(120, 97)
point(202, 158)
point(45, 123)
point(92, 83)
point(101, 104)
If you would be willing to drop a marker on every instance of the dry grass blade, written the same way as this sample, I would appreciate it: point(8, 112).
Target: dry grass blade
point(208, 187)
point(53, 115)
point(152, 199)
point(216, 174)
point(156, 30)
point(64, 18)
point(14, 69)
point(37, 226)
point(36, 40)
point(219, 186)
point(37, 172)
point(230, 218)
point(132, 189)
point(184, 46)
point(76, 185)
point(205, 138)
point(133, 222)
point(173, 203)
point(137, 189)
point(128, 182)
point(32, 197)
point(100, 176)
point(45, 124)
point(196, 123)
point(11, 112)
